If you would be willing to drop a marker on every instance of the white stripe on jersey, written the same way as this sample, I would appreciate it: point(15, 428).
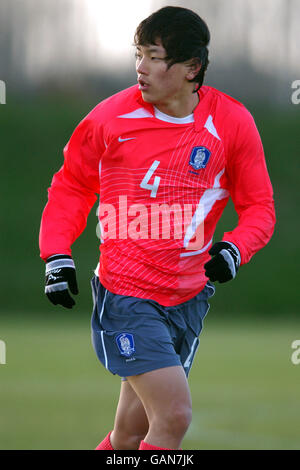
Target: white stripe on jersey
point(209, 125)
point(208, 199)
point(137, 114)
point(192, 253)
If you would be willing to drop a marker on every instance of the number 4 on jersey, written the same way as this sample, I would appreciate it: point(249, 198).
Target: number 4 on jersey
point(145, 183)
point(196, 219)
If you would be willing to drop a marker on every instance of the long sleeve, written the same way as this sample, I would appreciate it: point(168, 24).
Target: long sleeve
point(73, 191)
point(251, 190)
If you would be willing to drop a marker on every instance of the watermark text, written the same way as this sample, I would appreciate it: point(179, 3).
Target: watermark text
point(181, 222)
point(2, 92)
point(295, 97)
point(2, 352)
point(295, 358)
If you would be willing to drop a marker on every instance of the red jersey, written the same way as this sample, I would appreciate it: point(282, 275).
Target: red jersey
point(163, 183)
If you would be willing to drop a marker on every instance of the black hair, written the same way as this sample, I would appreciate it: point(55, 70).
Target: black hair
point(183, 34)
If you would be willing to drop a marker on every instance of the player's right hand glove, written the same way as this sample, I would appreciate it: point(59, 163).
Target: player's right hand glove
point(60, 277)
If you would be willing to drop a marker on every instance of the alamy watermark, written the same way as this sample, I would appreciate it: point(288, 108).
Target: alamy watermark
point(295, 357)
point(2, 92)
point(295, 97)
point(183, 223)
point(2, 352)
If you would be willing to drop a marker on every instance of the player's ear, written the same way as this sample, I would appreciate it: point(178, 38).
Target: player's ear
point(193, 68)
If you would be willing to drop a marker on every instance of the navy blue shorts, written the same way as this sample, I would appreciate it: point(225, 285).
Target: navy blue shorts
point(131, 335)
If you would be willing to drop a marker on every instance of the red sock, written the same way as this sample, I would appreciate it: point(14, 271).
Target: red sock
point(146, 446)
point(105, 444)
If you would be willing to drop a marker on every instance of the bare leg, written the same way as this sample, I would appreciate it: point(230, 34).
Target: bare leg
point(131, 423)
point(167, 401)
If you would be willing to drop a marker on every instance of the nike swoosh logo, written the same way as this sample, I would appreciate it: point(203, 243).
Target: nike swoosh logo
point(124, 140)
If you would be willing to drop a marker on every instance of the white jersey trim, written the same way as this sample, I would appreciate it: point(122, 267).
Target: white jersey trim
point(209, 125)
point(206, 203)
point(198, 252)
point(137, 114)
point(165, 117)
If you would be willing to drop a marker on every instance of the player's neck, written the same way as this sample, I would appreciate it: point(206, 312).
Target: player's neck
point(181, 107)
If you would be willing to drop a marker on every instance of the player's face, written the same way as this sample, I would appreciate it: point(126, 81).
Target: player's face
point(159, 84)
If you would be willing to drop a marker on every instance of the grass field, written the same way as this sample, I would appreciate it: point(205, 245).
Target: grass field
point(55, 395)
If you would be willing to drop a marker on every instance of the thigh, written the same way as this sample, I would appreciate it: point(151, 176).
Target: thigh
point(162, 390)
point(130, 417)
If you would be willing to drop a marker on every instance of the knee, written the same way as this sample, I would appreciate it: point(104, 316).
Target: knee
point(181, 419)
point(177, 419)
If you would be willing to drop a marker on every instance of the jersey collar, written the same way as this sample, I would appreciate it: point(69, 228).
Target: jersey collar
point(202, 110)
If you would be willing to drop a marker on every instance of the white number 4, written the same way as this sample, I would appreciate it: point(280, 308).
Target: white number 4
point(145, 183)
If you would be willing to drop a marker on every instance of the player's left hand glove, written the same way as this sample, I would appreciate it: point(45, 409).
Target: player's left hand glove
point(225, 262)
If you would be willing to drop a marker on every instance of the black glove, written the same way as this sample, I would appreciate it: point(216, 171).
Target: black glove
point(225, 262)
point(61, 275)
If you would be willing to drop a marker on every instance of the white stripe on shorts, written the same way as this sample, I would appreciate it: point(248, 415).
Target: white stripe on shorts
point(189, 358)
point(104, 350)
point(102, 309)
point(102, 332)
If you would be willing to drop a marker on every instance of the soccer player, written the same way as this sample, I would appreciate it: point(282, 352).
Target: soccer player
point(164, 156)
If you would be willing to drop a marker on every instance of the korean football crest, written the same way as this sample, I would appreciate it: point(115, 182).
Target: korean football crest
point(199, 157)
point(125, 344)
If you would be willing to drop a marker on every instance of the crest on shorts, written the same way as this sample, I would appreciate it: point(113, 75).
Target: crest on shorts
point(199, 157)
point(125, 344)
